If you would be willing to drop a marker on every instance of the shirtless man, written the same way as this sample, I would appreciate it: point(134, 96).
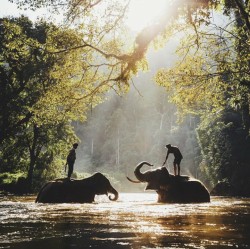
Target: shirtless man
point(177, 157)
point(71, 159)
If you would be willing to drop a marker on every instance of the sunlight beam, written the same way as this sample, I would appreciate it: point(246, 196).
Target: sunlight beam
point(144, 12)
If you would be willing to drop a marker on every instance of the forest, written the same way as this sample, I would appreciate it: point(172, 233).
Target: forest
point(91, 80)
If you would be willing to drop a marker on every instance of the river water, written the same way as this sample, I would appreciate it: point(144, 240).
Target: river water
point(136, 220)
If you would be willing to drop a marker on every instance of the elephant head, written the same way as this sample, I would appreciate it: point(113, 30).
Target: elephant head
point(78, 191)
point(155, 178)
point(102, 186)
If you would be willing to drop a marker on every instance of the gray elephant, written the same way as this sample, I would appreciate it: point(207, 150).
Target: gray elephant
point(76, 191)
point(170, 188)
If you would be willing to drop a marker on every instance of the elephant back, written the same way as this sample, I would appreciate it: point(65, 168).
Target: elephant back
point(184, 191)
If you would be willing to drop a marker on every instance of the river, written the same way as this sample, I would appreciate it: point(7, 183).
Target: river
point(134, 221)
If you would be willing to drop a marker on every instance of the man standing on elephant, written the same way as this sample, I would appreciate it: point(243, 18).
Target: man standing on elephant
point(71, 159)
point(177, 157)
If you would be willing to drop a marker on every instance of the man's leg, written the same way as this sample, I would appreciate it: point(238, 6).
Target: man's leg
point(175, 169)
point(179, 169)
point(70, 170)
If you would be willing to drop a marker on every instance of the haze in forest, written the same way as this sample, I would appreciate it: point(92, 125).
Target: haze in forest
point(125, 130)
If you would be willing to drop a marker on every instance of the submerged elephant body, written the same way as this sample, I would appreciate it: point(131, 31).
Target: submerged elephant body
point(170, 188)
point(183, 191)
point(76, 191)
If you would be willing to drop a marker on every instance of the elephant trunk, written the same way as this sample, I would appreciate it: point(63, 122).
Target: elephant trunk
point(114, 192)
point(140, 176)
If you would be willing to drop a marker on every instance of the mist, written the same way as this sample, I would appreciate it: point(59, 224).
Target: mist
point(125, 130)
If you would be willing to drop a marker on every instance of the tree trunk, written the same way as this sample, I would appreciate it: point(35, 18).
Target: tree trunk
point(245, 114)
point(33, 157)
point(118, 148)
point(92, 147)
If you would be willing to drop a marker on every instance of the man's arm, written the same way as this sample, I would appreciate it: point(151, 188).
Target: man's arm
point(165, 159)
point(71, 156)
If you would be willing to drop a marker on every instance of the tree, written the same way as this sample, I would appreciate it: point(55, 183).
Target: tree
point(119, 59)
point(225, 149)
point(41, 92)
point(214, 66)
point(211, 80)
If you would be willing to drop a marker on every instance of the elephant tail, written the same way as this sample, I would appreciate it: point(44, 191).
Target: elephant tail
point(134, 181)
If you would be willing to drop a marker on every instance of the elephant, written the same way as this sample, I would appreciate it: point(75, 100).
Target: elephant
point(76, 191)
point(170, 188)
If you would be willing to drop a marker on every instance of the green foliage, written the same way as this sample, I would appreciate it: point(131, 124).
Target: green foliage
point(211, 80)
point(41, 94)
point(7, 178)
point(224, 147)
point(213, 70)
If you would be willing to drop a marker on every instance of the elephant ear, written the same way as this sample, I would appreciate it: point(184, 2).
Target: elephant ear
point(158, 178)
point(152, 185)
point(165, 172)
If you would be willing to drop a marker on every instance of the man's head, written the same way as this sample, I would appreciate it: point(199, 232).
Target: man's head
point(75, 145)
point(168, 146)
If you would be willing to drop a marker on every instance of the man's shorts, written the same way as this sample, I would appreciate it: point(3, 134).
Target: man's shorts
point(177, 160)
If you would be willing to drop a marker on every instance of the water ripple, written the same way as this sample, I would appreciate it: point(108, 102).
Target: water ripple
point(135, 221)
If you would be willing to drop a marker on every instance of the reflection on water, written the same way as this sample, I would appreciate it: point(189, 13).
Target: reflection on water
point(135, 221)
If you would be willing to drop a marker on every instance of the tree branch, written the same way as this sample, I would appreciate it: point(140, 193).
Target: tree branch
point(243, 13)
